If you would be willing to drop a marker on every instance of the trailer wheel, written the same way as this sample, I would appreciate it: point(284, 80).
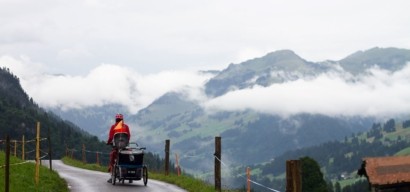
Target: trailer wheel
point(145, 175)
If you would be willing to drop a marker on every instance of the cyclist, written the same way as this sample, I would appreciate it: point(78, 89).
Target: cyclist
point(118, 127)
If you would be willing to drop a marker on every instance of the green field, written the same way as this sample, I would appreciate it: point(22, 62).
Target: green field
point(22, 177)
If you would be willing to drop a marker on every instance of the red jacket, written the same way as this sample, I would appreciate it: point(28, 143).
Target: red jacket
point(119, 127)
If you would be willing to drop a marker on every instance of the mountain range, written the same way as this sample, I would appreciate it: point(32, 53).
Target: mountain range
point(248, 136)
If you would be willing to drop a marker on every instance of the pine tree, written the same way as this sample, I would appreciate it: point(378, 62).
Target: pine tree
point(312, 177)
point(338, 188)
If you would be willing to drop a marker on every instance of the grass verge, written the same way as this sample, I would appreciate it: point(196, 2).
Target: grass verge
point(185, 182)
point(22, 177)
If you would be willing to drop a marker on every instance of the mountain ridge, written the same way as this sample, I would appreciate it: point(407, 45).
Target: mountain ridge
point(391, 59)
point(284, 65)
point(239, 75)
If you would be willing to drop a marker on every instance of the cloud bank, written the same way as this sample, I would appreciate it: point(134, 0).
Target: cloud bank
point(105, 84)
point(378, 93)
point(336, 93)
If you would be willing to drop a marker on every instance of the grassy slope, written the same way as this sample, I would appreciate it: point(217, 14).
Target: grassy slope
point(400, 131)
point(22, 177)
point(403, 133)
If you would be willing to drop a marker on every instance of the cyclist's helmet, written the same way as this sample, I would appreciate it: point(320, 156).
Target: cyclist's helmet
point(119, 116)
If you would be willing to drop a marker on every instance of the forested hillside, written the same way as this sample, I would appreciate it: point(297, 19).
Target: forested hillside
point(340, 160)
point(19, 115)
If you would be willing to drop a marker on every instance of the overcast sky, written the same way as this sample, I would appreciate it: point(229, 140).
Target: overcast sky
point(146, 48)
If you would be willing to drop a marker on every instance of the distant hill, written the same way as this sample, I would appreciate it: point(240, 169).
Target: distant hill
point(248, 137)
point(96, 120)
point(275, 67)
point(284, 65)
point(391, 59)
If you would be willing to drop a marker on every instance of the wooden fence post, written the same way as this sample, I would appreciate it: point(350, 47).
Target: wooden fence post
point(22, 148)
point(177, 165)
point(7, 171)
point(248, 180)
point(167, 143)
point(15, 148)
point(49, 150)
point(83, 153)
point(218, 164)
point(37, 175)
point(98, 160)
point(293, 176)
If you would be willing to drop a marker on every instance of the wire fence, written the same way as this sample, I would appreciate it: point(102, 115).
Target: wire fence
point(246, 179)
point(15, 143)
point(82, 154)
point(230, 175)
point(88, 156)
point(207, 176)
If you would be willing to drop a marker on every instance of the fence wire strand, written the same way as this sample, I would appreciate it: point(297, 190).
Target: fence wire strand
point(99, 152)
point(24, 162)
point(256, 183)
point(2, 166)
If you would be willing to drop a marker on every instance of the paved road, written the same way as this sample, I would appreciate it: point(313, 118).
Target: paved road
point(81, 180)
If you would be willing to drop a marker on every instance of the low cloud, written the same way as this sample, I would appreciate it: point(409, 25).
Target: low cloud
point(105, 84)
point(377, 93)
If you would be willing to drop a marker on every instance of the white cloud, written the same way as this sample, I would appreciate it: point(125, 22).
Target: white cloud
point(22, 66)
point(106, 84)
point(379, 93)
